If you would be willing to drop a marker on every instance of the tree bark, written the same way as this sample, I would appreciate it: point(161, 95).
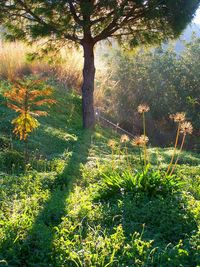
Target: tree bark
point(88, 85)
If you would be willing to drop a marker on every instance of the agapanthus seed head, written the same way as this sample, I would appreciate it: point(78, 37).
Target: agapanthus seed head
point(140, 140)
point(178, 117)
point(136, 141)
point(145, 139)
point(142, 108)
point(124, 138)
point(112, 143)
point(186, 127)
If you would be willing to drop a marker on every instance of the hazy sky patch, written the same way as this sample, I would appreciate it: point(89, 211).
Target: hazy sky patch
point(197, 17)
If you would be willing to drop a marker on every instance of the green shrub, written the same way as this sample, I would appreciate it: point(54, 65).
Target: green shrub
point(154, 76)
point(11, 161)
point(4, 142)
point(6, 116)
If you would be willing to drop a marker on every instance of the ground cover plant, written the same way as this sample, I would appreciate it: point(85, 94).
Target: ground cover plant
point(89, 200)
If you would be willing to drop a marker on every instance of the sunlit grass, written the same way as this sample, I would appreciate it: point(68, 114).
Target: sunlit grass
point(55, 212)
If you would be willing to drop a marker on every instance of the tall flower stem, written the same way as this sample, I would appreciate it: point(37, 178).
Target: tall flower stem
point(183, 141)
point(175, 146)
point(26, 150)
point(126, 154)
point(120, 154)
point(145, 148)
point(140, 154)
point(24, 137)
point(113, 160)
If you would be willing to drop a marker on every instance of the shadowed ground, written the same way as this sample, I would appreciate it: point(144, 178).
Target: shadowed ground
point(38, 242)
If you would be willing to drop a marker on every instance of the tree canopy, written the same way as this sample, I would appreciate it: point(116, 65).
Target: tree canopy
point(137, 21)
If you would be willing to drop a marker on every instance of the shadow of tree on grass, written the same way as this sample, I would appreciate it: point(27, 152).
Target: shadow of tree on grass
point(36, 248)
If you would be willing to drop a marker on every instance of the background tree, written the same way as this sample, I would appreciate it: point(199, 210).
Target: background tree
point(86, 22)
point(167, 81)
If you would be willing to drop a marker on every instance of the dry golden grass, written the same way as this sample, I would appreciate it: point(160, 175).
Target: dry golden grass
point(69, 70)
point(103, 85)
point(65, 69)
point(14, 65)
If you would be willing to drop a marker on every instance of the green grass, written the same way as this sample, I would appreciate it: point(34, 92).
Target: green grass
point(54, 212)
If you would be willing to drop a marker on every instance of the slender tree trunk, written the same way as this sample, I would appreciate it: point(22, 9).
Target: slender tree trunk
point(88, 85)
point(26, 151)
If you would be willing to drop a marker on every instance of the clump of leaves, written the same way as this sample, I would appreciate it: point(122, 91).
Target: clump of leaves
point(4, 142)
point(150, 182)
point(11, 161)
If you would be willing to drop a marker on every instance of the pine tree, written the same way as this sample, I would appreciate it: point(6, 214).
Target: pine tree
point(86, 22)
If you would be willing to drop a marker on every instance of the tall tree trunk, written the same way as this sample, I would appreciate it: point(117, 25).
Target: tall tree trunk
point(88, 85)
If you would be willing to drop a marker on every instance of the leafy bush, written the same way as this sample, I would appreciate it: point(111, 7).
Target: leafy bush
point(26, 98)
point(158, 76)
point(4, 143)
point(11, 161)
point(6, 115)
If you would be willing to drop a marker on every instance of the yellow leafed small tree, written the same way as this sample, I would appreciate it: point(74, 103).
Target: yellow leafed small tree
point(26, 98)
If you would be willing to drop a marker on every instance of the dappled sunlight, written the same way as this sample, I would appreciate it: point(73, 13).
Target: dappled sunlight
point(59, 133)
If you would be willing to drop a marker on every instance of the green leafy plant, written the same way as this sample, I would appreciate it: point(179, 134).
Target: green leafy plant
point(11, 161)
point(151, 182)
point(4, 143)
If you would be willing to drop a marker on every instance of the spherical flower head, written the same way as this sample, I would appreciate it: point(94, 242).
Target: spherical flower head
point(142, 108)
point(186, 127)
point(136, 141)
point(124, 138)
point(145, 139)
point(111, 143)
point(140, 140)
point(178, 117)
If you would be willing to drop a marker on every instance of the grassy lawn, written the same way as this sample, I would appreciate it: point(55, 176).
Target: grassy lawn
point(66, 209)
